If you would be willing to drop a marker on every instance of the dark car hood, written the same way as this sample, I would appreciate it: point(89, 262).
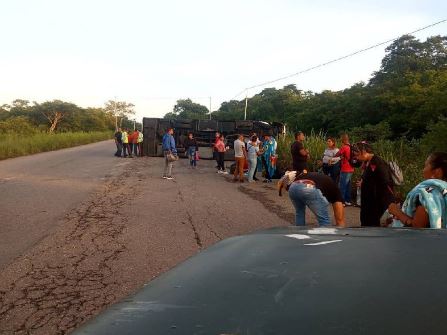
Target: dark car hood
point(296, 281)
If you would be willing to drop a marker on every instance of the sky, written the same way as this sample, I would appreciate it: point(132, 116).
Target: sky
point(152, 53)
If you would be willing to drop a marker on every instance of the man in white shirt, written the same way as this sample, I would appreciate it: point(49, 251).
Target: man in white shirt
point(239, 157)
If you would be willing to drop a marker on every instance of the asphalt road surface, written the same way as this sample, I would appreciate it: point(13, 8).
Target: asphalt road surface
point(39, 190)
point(82, 229)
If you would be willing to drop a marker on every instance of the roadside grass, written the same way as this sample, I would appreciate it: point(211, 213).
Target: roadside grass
point(409, 155)
point(15, 145)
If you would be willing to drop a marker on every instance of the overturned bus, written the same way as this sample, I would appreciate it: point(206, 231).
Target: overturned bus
point(203, 131)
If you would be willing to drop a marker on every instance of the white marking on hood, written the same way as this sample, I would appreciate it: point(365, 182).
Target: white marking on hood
point(298, 236)
point(324, 242)
point(322, 231)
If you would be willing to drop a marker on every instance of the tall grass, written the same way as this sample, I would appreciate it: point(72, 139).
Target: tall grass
point(408, 155)
point(15, 145)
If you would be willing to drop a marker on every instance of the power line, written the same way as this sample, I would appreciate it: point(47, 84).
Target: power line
point(336, 59)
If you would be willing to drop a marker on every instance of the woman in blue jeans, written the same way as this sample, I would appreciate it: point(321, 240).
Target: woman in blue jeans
point(316, 191)
point(191, 147)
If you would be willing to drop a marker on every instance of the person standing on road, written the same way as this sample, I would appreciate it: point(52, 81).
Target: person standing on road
point(239, 156)
point(269, 157)
point(125, 139)
point(346, 170)
point(316, 191)
point(192, 149)
point(220, 148)
point(168, 147)
point(217, 137)
point(376, 186)
point(299, 154)
point(118, 142)
point(140, 143)
point(331, 163)
point(252, 153)
point(135, 135)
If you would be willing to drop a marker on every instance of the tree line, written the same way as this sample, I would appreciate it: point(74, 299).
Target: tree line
point(22, 116)
point(405, 98)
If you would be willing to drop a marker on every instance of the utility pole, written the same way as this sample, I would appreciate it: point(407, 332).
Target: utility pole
point(210, 108)
point(245, 112)
point(116, 116)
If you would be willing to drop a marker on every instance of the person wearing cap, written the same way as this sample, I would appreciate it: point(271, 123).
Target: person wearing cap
point(316, 191)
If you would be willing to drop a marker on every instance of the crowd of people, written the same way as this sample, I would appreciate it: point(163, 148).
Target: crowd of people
point(251, 155)
point(424, 207)
point(128, 143)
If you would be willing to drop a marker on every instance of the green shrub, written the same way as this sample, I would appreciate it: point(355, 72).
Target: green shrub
point(409, 155)
point(17, 125)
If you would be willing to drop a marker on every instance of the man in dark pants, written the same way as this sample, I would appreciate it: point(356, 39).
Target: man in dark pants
point(299, 154)
point(119, 143)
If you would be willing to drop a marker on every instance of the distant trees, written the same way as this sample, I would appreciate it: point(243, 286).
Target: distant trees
point(51, 116)
point(186, 109)
point(401, 99)
point(121, 110)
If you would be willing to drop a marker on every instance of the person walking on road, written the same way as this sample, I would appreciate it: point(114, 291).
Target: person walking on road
point(192, 149)
point(118, 142)
point(316, 191)
point(239, 156)
point(299, 154)
point(169, 149)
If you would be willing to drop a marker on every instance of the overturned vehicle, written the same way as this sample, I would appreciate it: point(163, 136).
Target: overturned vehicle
point(203, 131)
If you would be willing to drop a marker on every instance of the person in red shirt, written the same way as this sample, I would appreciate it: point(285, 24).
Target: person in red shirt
point(135, 135)
point(215, 152)
point(346, 170)
point(220, 149)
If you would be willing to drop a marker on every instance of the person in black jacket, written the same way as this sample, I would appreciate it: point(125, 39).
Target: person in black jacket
point(376, 185)
point(192, 149)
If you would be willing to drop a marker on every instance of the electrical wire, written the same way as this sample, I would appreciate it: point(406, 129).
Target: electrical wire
point(335, 60)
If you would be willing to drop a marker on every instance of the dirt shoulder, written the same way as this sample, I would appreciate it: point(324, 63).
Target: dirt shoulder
point(135, 227)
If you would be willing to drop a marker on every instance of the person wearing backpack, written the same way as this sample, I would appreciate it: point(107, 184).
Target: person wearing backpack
point(376, 185)
point(346, 170)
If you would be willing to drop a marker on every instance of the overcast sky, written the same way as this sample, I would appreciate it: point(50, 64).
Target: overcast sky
point(152, 53)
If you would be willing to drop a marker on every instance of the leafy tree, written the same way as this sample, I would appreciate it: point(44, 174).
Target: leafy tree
point(120, 110)
point(55, 111)
point(186, 109)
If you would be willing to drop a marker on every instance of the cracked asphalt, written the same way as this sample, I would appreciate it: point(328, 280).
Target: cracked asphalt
point(133, 226)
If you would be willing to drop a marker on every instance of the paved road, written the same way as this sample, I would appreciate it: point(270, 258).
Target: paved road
point(120, 231)
point(38, 191)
